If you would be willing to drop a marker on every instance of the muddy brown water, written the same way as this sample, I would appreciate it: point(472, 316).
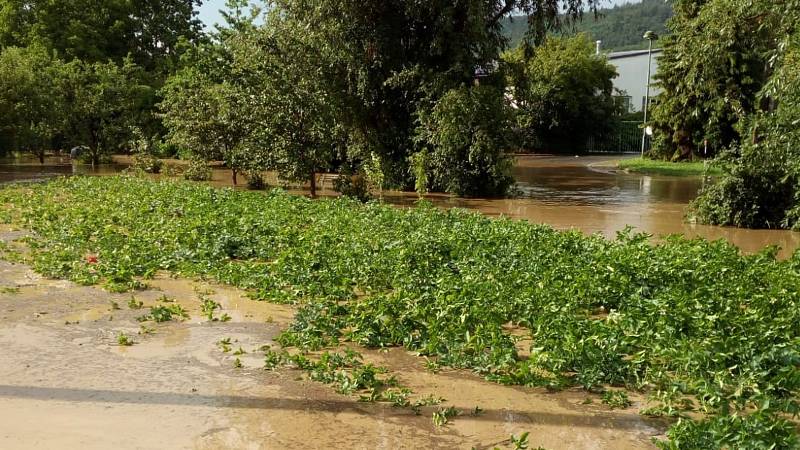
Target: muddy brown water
point(565, 192)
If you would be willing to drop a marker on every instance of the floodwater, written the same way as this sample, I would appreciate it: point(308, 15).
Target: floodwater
point(565, 192)
point(25, 168)
point(65, 383)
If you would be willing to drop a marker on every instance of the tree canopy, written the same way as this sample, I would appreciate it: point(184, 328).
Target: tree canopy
point(151, 32)
point(563, 92)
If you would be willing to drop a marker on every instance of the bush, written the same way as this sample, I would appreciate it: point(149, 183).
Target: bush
point(760, 187)
point(147, 163)
point(255, 180)
point(167, 150)
point(198, 170)
point(468, 134)
point(353, 186)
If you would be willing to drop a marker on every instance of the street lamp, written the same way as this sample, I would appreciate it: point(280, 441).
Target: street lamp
point(650, 36)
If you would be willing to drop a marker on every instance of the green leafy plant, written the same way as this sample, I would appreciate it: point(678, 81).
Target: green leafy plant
point(616, 399)
point(521, 442)
point(135, 304)
point(163, 313)
point(124, 340)
point(443, 415)
point(208, 306)
point(197, 170)
point(694, 324)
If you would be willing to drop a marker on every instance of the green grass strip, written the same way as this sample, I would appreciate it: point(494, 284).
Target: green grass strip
point(653, 167)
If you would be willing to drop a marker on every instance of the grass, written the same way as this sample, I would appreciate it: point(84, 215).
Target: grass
point(654, 167)
point(694, 324)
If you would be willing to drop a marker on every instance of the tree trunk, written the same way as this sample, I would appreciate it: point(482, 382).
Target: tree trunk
point(313, 185)
point(41, 157)
point(233, 172)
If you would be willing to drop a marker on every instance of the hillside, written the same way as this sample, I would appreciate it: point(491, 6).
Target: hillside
point(620, 27)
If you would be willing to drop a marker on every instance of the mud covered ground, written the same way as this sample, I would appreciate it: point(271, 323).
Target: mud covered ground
point(66, 383)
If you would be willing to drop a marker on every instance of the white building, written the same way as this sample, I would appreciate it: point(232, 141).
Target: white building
point(632, 69)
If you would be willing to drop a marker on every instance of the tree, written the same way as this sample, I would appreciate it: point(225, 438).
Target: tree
point(103, 104)
point(201, 116)
point(148, 31)
point(468, 132)
point(713, 66)
point(288, 100)
point(760, 186)
point(563, 92)
point(389, 60)
point(31, 99)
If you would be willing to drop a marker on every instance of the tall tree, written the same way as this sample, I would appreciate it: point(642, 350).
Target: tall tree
point(103, 104)
point(714, 64)
point(760, 185)
point(32, 109)
point(395, 59)
point(149, 31)
point(563, 92)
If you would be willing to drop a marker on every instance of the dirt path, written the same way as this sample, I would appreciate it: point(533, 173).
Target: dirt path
point(66, 383)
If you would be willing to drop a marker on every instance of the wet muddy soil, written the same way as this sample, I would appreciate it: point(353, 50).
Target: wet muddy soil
point(66, 383)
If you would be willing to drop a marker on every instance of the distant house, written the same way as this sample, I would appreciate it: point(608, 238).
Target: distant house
point(632, 69)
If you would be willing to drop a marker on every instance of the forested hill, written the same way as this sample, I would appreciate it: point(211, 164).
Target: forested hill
point(620, 27)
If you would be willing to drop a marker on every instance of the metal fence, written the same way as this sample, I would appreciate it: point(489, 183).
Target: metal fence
point(627, 138)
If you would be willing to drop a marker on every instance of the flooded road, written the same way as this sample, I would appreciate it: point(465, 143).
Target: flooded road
point(564, 192)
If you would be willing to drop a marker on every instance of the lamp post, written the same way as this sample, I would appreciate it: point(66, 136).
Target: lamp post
point(650, 36)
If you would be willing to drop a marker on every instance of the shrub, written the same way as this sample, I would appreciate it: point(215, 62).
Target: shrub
point(352, 185)
point(468, 134)
point(197, 170)
point(255, 180)
point(147, 163)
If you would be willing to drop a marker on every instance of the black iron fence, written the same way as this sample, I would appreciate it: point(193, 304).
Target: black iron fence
point(626, 138)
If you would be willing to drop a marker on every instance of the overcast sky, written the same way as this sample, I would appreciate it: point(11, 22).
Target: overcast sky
point(209, 12)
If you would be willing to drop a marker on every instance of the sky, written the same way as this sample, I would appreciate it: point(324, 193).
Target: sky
point(209, 12)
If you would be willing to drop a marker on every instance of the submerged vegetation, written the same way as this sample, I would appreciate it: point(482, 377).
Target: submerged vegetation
point(693, 323)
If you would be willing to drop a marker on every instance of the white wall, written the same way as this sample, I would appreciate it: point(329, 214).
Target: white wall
point(632, 74)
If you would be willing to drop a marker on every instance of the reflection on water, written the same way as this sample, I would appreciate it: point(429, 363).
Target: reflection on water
point(571, 181)
point(25, 168)
point(564, 192)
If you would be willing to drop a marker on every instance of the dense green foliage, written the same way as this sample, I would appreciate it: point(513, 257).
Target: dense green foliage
point(342, 86)
point(47, 103)
point(563, 92)
point(761, 183)
point(150, 32)
point(713, 66)
point(468, 132)
point(85, 73)
point(620, 27)
point(32, 109)
point(687, 320)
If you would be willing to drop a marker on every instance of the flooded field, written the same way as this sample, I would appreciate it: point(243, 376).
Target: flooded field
point(176, 387)
point(564, 192)
point(66, 383)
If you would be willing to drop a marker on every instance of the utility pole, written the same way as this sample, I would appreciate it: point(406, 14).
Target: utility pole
point(650, 36)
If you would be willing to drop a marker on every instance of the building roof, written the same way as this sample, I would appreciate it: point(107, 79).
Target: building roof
point(631, 53)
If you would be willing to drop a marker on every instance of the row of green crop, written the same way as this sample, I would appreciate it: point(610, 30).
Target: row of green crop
point(692, 322)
